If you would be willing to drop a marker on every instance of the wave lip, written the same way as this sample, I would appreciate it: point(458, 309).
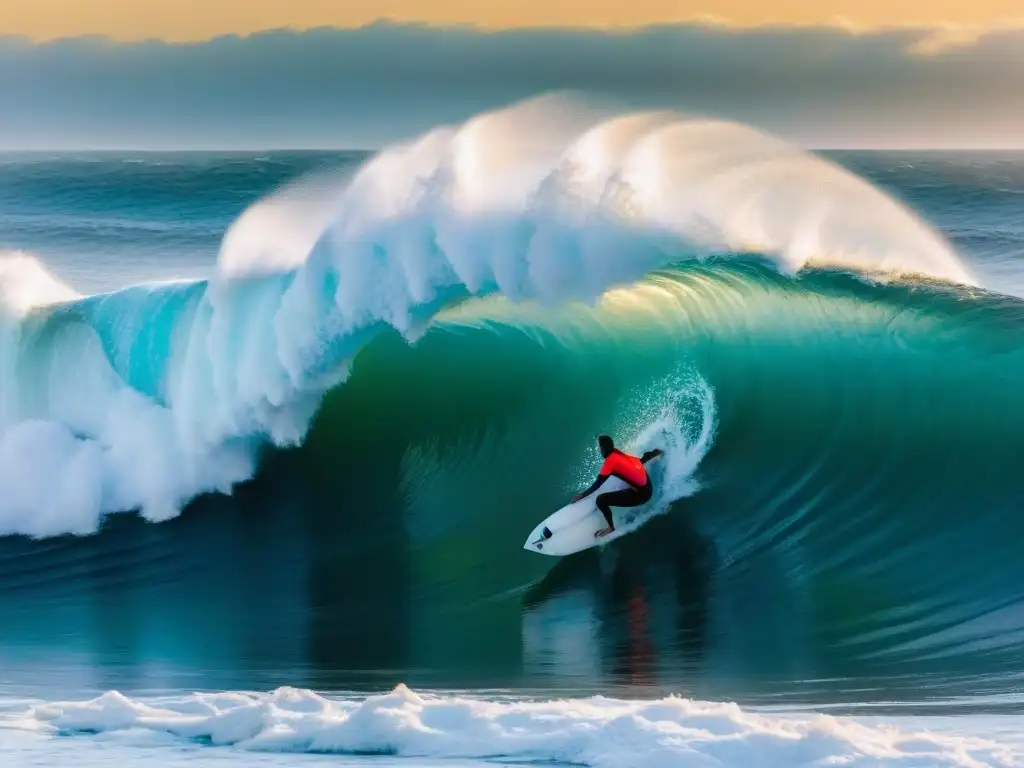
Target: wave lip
point(600, 732)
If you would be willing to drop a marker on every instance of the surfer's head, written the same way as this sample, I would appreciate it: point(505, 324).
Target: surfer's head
point(606, 445)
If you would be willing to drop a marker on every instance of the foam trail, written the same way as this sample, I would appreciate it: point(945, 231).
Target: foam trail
point(599, 732)
point(151, 395)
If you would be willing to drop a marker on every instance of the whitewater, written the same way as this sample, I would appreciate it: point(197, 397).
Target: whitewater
point(434, 730)
point(144, 398)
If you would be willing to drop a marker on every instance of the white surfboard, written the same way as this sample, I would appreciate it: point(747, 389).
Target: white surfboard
point(571, 529)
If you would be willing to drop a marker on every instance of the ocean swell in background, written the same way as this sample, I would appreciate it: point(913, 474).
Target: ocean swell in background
point(143, 398)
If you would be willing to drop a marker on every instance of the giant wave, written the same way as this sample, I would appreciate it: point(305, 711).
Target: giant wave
point(144, 398)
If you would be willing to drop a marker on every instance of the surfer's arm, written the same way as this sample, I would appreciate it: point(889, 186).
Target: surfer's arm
point(651, 455)
point(597, 484)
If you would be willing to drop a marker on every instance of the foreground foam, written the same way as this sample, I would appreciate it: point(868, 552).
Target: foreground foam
point(599, 732)
point(145, 398)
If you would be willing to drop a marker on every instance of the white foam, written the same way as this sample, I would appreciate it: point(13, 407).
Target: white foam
point(538, 201)
point(600, 732)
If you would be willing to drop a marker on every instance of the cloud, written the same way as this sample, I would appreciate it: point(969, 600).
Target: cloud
point(821, 86)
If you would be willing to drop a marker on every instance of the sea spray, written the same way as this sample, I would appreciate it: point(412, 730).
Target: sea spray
point(675, 413)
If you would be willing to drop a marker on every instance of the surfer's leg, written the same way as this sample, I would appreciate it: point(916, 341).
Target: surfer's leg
point(627, 497)
point(604, 504)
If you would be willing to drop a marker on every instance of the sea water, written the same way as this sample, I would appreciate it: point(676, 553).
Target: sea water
point(275, 426)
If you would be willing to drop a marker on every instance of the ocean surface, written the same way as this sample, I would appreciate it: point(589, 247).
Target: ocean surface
point(274, 429)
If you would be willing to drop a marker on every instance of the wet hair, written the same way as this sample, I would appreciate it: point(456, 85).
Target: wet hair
point(606, 444)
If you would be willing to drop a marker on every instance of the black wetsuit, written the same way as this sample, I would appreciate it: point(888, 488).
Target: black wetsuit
point(630, 470)
point(625, 497)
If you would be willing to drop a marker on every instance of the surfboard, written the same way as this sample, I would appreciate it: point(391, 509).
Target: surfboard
point(571, 529)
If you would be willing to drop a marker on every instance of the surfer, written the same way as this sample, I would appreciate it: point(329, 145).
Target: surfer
point(629, 469)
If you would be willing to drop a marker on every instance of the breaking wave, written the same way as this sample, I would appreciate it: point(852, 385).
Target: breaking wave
point(144, 398)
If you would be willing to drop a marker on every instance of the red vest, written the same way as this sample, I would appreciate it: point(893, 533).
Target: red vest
point(626, 467)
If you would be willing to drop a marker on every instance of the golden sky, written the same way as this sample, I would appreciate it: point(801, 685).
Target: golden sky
point(180, 20)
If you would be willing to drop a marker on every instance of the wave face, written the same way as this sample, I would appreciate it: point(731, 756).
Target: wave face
point(428, 346)
point(840, 454)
